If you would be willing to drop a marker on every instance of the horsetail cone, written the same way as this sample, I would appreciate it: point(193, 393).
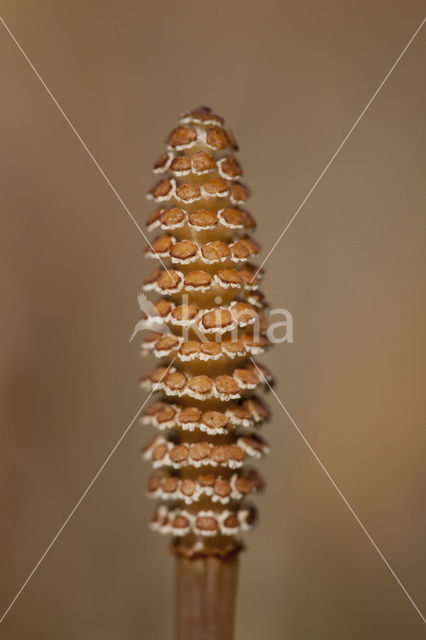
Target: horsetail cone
point(207, 323)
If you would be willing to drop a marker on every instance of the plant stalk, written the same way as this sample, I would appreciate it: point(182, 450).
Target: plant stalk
point(206, 589)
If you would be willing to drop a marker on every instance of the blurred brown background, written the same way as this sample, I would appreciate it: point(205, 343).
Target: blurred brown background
point(290, 78)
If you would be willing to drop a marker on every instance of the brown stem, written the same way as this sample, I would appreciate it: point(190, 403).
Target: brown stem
point(205, 597)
